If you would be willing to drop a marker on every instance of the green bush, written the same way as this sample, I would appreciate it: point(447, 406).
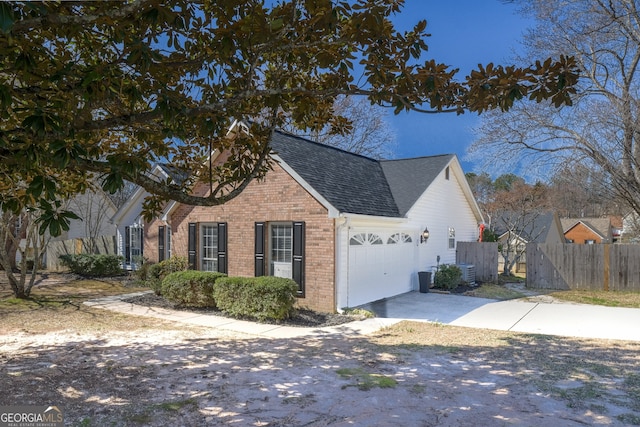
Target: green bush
point(142, 268)
point(261, 298)
point(191, 288)
point(448, 276)
point(93, 265)
point(155, 273)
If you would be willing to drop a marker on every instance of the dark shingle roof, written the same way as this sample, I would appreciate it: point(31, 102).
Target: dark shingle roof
point(358, 184)
point(532, 227)
point(178, 176)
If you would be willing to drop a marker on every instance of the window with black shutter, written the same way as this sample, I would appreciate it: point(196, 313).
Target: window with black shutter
point(282, 252)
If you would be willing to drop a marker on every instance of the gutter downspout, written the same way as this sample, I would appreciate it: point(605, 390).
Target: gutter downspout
point(346, 223)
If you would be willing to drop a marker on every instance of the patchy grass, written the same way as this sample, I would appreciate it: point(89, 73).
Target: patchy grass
point(502, 279)
point(492, 291)
point(605, 298)
point(443, 338)
point(176, 405)
point(586, 374)
point(364, 380)
point(56, 305)
point(359, 312)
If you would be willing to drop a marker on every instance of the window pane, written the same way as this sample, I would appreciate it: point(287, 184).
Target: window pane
point(209, 239)
point(135, 248)
point(281, 255)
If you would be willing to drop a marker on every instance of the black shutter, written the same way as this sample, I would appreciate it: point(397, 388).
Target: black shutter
point(127, 245)
point(192, 244)
point(141, 240)
point(222, 247)
point(259, 248)
point(298, 255)
point(161, 237)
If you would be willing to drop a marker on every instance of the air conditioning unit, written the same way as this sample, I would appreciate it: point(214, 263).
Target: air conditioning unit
point(282, 269)
point(468, 273)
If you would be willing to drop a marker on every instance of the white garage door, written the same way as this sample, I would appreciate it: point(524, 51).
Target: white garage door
point(380, 265)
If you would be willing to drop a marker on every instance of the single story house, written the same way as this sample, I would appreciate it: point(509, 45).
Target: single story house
point(347, 228)
point(587, 230)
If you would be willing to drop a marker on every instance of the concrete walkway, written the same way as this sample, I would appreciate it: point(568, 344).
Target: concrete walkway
point(572, 320)
point(116, 303)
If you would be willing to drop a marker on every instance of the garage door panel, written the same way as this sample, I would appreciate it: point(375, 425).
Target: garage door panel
point(379, 271)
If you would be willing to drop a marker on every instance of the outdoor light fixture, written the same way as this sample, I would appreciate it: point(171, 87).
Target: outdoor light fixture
point(424, 236)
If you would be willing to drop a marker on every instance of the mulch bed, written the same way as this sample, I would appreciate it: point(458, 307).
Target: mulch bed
point(302, 318)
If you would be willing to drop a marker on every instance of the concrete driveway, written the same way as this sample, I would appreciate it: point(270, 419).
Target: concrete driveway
point(573, 320)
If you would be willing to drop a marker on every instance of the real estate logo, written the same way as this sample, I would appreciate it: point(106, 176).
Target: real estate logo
point(31, 416)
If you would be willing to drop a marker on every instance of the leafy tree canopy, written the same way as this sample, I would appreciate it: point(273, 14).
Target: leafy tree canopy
point(111, 87)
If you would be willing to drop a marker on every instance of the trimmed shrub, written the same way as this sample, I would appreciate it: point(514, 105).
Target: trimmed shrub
point(93, 265)
point(156, 273)
point(448, 276)
point(191, 288)
point(260, 298)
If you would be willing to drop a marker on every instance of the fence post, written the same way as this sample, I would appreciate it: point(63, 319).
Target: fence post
point(607, 260)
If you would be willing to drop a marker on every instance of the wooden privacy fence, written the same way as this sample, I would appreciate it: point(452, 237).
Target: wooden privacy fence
point(98, 245)
point(591, 267)
point(483, 255)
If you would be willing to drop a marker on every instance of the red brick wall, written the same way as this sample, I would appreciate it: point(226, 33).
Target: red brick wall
point(580, 233)
point(276, 198)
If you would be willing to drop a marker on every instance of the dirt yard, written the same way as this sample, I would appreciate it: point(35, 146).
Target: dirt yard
point(107, 369)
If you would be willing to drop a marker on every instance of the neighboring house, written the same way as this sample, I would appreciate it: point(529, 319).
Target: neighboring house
point(95, 209)
point(130, 225)
point(616, 227)
point(347, 228)
point(515, 230)
point(89, 234)
point(587, 230)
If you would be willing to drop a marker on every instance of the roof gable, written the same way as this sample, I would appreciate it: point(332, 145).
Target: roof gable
point(409, 178)
point(160, 171)
point(599, 226)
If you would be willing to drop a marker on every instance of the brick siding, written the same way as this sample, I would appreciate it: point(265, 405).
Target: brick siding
point(580, 233)
point(276, 198)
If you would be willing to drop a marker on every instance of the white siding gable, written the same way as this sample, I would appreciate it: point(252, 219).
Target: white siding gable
point(445, 205)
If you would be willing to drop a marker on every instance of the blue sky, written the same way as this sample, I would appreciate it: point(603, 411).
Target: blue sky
point(463, 34)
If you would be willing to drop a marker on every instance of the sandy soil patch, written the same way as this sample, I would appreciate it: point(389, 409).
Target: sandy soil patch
point(107, 369)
